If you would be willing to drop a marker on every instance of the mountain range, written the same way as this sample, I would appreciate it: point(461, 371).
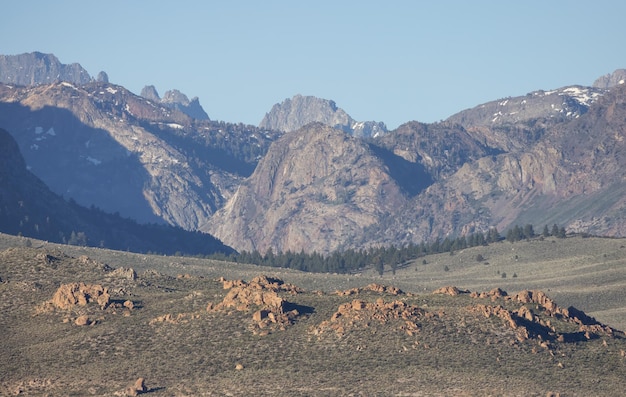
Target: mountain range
point(309, 177)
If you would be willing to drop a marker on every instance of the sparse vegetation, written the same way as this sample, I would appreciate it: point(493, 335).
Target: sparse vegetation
point(216, 352)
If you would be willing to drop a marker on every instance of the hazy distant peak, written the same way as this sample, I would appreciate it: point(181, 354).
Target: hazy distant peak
point(175, 96)
point(298, 111)
point(609, 80)
point(150, 92)
point(176, 100)
point(102, 77)
point(36, 68)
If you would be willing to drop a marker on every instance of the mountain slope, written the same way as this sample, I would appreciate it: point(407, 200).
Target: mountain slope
point(546, 157)
point(29, 208)
point(315, 190)
point(102, 145)
point(571, 176)
point(513, 124)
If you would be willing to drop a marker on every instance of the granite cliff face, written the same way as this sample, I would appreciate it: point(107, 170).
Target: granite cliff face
point(36, 68)
point(315, 190)
point(294, 113)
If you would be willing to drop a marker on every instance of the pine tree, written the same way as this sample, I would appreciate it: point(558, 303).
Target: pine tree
point(529, 232)
point(555, 230)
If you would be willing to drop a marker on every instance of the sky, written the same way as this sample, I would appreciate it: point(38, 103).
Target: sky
point(390, 61)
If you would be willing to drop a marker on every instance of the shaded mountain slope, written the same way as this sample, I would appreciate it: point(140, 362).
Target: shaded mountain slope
point(29, 208)
point(102, 145)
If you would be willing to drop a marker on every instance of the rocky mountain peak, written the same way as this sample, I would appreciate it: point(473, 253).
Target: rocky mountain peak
point(150, 92)
point(618, 77)
point(298, 111)
point(175, 96)
point(102, 77)
point(175, 99)
point(36, 68)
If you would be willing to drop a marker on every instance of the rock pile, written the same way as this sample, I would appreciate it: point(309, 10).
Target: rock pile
point(80, 294)
point(262, 282)
point(46, 258)
point(493, 294)
point(261, 296)
point(450, 290)
point(528, 322)
point(125, 273)
point(359, 314)
point(383, 289)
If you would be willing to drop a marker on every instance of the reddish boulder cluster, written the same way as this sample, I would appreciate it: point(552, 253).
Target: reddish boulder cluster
point(450, 290)
point(383, 289)
point(73, 294)
point(530, 325)
point(359, 313)
point(261, 293)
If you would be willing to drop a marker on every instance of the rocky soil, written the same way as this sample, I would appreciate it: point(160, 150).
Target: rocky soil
point(77, 325)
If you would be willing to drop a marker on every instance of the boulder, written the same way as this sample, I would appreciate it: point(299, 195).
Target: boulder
point(123, 272)
point(73, 294)
point(139, 387)
point(82, 320)
point(450, 290)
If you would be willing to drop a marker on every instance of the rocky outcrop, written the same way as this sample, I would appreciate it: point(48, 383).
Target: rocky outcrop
point(618, 77)
point(175, 99)
point(137, 388)
point(494, 294)
point(262, 282)
point(293, 114)
point(170, 318)
point(534, 323)
point(71, 295)
point(83, 320)
point(450, 290)
point(102, 77)
point(381, 289)
point(359, 314)
point(260, 296)
point(36, 68)
point(125, 273)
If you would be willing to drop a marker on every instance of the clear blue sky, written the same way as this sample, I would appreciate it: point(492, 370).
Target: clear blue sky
point(391, 61)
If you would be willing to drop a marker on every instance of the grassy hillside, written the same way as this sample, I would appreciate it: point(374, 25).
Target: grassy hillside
point(183, 338)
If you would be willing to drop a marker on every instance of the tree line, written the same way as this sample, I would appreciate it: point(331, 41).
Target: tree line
point(379, 258)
